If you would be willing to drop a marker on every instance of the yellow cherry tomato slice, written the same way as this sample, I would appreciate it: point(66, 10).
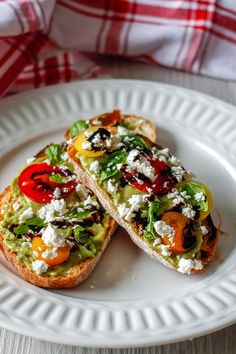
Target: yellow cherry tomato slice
point(178, 221)
point(208, 197)
point(80, 141)
point(38, 247)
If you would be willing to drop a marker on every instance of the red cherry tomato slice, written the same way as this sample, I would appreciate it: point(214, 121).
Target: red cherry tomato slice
point(107, 119)
point(34, 182)
point(162, 184)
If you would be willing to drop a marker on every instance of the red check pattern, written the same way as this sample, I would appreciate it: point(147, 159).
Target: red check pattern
point(42, 42)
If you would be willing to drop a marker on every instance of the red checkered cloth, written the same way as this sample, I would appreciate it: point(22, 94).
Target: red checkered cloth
point(42, 41)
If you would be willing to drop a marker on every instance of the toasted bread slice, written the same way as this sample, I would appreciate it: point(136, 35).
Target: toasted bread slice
point(72, 275)
point(208, 244)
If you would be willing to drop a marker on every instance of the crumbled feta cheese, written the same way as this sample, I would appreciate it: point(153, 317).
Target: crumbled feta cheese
point(136, 202)
point(122, 130)
point(16, 206)
point(52, 237)
point(82, 191)
point(156, 242)
point(122, 209)
point(88, 134)
point(49, 254)
point(30, 160)
point(49, 211)
point(141, 165)
point(70, 243)
point(116, 142)
point(95, 167)
point(90, 202)
point(65, 156)
point(26, 214)
point(199, 197)
point(204, 230)
point(57, 193)
point(187, 265)
point(97, 122)
point(164, 230)
point(174, 161)
point(108, 143)
point(112, 187)
point(185, 195)
point(165, 250)
point(97, 139)
point(86, 145)
point(178, 172)
point(39, 267)
point(189, 212)
point(69, 141)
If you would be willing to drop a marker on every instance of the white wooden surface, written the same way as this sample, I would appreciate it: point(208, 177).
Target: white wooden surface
point(221, 342)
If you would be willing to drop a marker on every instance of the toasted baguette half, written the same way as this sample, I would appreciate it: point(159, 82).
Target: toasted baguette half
point(73, 276)
point(209, 240)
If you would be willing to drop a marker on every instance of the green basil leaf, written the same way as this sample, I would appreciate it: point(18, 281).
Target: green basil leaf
point(35, 221)
point(79, 215)
point(53, 153)
point(57, 178)
point(133, 141)
point(21, 229)
point(191, 188)
point(109, 165)
point(77, 127)
point(81, 234)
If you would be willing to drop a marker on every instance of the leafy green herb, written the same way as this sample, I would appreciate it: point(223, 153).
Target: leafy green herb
point(21, 229)
point(133, 141)
point(191, 188)
point(53, 153)
point(35, 221)
point(156, 209)
point(57, 178)
point(109, 165)
point(79, 215)
point(81, 234)
point(149, 235)
point(77, 127)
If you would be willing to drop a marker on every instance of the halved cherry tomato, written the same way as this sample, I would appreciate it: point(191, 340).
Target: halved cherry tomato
point(39, 247)
point(179, 222)
point(203, 213)
point(163, 183)
point(107, 119)
point(34, 182)
point(81, 139)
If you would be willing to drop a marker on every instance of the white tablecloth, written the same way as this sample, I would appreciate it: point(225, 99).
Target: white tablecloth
point(222, 342)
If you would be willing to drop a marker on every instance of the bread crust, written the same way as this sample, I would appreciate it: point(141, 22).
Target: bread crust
point(72, 277)
point(130, 227)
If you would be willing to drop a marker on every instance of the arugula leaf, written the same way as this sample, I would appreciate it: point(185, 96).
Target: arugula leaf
point(53, 153)
point(21, 229)
point(35, 221)
point(81, 234)
point(77, 127)
point(191, 188)
point(109, 165)
point(57, 178)
point(134, 141)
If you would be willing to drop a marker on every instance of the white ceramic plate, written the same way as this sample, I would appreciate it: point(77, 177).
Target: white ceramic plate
point(130, 300)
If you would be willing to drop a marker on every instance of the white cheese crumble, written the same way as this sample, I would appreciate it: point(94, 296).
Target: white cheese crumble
point(165, 250)
point(26, 214)
point(88, 134)
point(30, 160)
point(49, 211)
point(187, 265)
point(178, 172)
point(200, 197)
point(204, 230)
point(156, 242)
point(39, 267)
point(57, 193)
point(188, 212)
point(52, 237)
point(174, 161)
point(49, 254)
point(122, 130)
point(86, 145)
point(82, 191)
point(122, 209)
point(95, 167)
point(164, 230)
point(112, 187)
point(65, 156)
point(16, 206)
point(141, 165)
point(91, 202)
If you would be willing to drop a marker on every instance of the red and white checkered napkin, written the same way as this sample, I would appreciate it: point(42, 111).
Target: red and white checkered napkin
point(42, 41)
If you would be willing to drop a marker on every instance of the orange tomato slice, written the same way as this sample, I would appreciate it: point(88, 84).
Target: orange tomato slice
point(107, 119)
point(39, 246)
point(178, 221)
point(81, 139)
